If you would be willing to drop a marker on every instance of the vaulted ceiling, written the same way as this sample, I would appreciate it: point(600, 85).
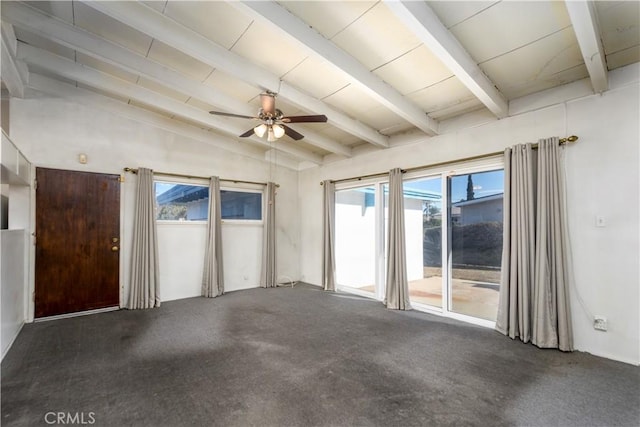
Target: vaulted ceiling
point(383, 72)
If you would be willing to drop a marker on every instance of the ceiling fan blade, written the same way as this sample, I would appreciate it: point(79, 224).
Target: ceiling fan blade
point(292, 133)
point(240, 116)
point(320, 118)
point(247, 133)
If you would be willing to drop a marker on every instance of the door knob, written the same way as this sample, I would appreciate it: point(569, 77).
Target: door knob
point(114, 248)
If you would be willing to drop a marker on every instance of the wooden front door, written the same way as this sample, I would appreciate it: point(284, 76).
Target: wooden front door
point(77, 241)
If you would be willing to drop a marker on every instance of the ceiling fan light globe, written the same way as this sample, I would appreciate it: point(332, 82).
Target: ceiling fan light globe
point(278, 131)
point(260, 130)
point(270, 135)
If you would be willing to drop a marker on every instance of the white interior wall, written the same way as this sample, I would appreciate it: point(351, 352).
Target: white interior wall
point(602, 179)
point(13, 276)
point(51, 132)
point(19, 206)
point(181, 247)
point(181, 254)
point(241, 261)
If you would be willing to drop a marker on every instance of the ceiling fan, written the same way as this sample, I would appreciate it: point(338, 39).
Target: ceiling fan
point(273, 120)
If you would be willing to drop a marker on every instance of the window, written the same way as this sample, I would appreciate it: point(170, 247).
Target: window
point(241, 205)
point(475, 236)
point(423, 239)
point(181, 202)
point(190, 202)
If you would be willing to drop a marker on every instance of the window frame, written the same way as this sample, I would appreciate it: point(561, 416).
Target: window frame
point(178, 181)
point(379, 247)
point(235, 187)
point(246, 188)
point(444, 172)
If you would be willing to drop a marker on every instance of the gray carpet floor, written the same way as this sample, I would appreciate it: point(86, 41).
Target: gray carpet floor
point(302, 357)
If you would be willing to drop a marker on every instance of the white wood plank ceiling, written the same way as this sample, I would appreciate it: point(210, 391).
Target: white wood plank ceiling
point(381, 71)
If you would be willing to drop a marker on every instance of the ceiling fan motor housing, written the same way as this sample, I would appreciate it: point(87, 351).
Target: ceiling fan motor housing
point(268, 102)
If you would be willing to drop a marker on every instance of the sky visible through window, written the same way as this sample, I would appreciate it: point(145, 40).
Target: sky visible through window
point(162, 187)
point(484, 184)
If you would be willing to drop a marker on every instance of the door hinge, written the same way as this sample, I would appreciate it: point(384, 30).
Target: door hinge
point(33, 296)
point(35, 184)
point(121, 178)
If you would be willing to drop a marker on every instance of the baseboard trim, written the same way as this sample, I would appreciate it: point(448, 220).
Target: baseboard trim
point(610, 356)
point(77, 314)
point(6, 350)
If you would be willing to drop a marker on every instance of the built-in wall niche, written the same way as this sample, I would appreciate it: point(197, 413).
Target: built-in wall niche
point(5, 105)
point(4, 207)
point(15, 184)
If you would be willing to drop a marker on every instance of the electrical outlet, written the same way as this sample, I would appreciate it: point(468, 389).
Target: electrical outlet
point(599, 323)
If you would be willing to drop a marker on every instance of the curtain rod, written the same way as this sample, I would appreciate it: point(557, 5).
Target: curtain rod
point(562, 141)
point(178, 175)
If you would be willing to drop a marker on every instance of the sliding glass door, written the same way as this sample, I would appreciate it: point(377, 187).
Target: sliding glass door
point(355, 247)
point(475, 240)
point(423, 237)
point(453, 240)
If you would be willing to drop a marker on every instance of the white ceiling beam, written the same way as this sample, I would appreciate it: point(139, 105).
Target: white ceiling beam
point(12, 72)
point(26, 17)
point(278, 17)
point(425, 24)
point(30, 19)
point(156, 25)
point(67, 91)
point(339, 120)
point(86, 75)
point(584, 19)
point(9, 35)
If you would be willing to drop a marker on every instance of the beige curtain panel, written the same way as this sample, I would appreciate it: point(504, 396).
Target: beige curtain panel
point(145, 286)
point(534, 299)
point(213, 272)
point(328, 236)
point(397, 286)
point(269, 275)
